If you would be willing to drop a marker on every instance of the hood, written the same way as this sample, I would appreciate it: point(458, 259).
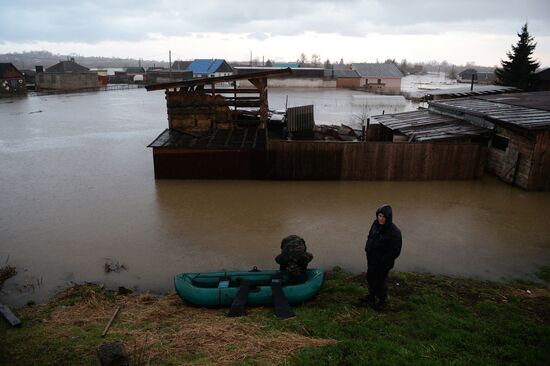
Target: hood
point(386, 211)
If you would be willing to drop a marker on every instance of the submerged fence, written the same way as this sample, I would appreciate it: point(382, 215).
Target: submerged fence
point(375, 160)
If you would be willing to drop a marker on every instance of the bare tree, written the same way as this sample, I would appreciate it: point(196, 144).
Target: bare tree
point(303, 59)
point(315, 59)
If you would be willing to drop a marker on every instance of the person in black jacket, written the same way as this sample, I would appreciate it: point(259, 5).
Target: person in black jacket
point(383, 247)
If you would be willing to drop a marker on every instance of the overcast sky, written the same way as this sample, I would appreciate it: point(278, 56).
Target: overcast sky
point(356, 30)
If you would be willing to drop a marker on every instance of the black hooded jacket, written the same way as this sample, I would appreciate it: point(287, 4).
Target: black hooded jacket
point(384, 242)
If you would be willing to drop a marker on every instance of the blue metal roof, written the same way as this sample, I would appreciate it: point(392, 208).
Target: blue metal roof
point(205, 66)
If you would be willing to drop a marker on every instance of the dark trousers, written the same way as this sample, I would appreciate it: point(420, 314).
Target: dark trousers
point(377, 280)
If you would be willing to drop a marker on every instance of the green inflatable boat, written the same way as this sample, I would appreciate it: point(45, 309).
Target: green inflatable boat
point(221, 288)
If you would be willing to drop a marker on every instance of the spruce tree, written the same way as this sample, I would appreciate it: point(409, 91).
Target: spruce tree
point(519, 69)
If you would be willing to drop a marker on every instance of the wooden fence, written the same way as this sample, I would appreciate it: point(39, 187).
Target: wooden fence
point(374, 160)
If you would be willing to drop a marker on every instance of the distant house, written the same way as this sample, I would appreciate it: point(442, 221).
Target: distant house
point(300, 77)
point(345, 78)
point(466, 75)
point(135, 74)
point(203, 68)
point(30, 77)
point(544, 79)
point(12, 81)
point(181, 65)
point(379, 78)
point(486, 77)
point(66, 75)
point(134, 70)
point(67, 66)
point(161, 75)
point(479, 77)
point(284, 65)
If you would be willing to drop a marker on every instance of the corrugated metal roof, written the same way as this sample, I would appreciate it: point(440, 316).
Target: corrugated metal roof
point(342, 73)
point(377, 70)
point(8, 70)
point(181, 65)
point(67, 66)
point(135, 69)
point(205, 66)
point(426, 126)
point(499, 109)
point(234, 138)
point(465, 91)
point(537, 100)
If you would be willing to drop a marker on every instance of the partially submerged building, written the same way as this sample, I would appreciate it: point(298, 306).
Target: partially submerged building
point(226, 133)
point(383, 78)
point(66, 75)
point(345, 78)
point(515, 127)
point(12, 81)
point(214, 131)
point(479, 77)
point(161, 75)
point(300, 77)
point(203, 68)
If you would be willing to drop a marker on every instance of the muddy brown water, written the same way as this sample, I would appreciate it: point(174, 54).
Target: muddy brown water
point(77, 190)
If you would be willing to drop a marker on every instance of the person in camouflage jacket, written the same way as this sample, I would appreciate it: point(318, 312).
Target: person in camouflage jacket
point(294, 258)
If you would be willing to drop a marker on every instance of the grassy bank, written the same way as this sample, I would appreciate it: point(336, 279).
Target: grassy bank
point(432, 320)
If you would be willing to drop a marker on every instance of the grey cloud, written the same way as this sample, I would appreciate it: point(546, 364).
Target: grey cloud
point(90, 22)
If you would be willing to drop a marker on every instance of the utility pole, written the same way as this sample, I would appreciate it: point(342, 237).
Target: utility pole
point(170, 62)
point(250, 57)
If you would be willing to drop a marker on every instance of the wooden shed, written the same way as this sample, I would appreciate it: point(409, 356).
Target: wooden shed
point(519, 150)
point(214, 132)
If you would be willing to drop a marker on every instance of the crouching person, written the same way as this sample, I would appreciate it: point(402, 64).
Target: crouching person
point(294, 258)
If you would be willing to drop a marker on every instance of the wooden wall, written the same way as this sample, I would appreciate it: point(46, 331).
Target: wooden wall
point(375, 160)
point(513, 165)
point(540, 172)
point(196, 111)
point(189, 163)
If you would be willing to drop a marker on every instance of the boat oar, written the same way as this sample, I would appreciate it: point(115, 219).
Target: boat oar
point(280, 303)
point(238, 307)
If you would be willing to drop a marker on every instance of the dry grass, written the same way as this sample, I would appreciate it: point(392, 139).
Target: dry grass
point(6, 272)
point(165, 325)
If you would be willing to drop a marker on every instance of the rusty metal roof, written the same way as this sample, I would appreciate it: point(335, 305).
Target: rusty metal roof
point(427, 126)
point(234, 138)
point(529, 111)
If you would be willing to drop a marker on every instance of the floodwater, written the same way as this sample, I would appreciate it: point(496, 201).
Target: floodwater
point(339, 106)
point(77, 190)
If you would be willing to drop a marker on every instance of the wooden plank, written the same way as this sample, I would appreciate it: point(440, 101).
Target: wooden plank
point(104, 333)
point(237, 91)
point(9, 316)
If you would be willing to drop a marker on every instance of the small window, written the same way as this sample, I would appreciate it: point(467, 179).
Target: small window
point(500, 142)
point(379, 81)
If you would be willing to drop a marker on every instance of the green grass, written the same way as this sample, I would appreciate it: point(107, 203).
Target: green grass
point(544, 273)
point(431, 320)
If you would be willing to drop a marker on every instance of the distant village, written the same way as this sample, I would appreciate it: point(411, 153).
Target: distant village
point(382, 78)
